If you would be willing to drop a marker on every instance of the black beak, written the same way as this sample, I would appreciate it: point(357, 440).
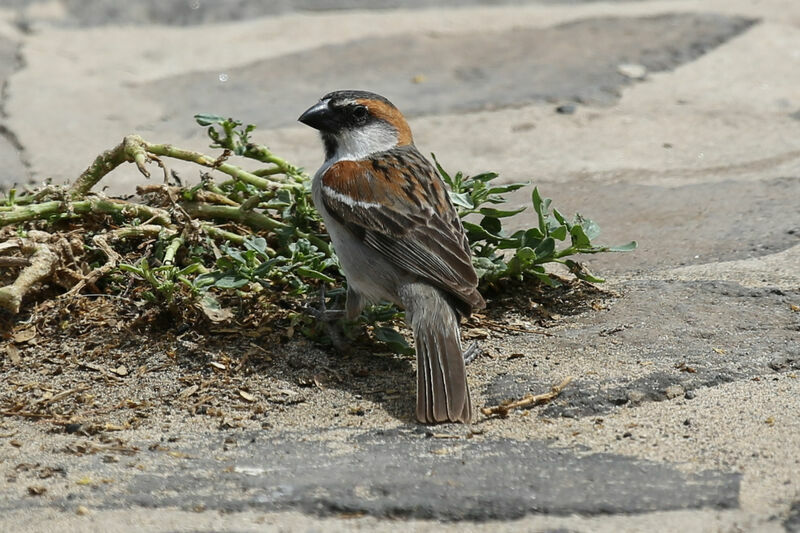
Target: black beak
point(318, 116)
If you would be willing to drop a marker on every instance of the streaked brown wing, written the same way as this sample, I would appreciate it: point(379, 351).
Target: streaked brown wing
point(398, 205)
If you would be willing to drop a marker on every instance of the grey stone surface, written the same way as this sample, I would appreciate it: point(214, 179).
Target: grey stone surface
point(685, 391)
point(399, 473)
point(189, 12)
point(680, 225)
point(465, 72)
point(12, 169)
point(792, 522)
point(668, 326)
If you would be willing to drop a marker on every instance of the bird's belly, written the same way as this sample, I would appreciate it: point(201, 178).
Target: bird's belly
point(367, 272)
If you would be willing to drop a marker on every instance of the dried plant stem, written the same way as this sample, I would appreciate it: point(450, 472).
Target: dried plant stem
point(262, 153)
point(223, 212)
point(61, 395)
point(135, 149)
point(82, 207)
point(168, 150)
point(200, 195)
point(172, 250)
point(14, 261)
point(43, 262)
point(131, 149)
point(528, 400)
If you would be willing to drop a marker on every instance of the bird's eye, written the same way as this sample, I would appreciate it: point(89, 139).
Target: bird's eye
point(360, 113)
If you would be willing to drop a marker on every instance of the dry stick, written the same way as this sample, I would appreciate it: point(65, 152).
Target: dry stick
point(62, 395)
point(201, 159)
point(135, 149)
point(14, 261)
point(200, 195)
point(528, 400)
point(131, 149)
point(43, 263)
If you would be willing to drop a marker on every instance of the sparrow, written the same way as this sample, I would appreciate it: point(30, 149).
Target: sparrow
point(398, 238)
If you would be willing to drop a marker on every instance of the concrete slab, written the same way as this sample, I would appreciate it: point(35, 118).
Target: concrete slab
point(12, 167)
point(398, 473)
point(684, 406)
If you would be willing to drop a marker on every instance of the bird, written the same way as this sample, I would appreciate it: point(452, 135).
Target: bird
point(398, 238)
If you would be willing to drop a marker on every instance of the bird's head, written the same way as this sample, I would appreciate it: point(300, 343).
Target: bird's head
point(356, 124)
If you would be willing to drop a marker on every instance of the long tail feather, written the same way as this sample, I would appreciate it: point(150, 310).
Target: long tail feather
point(442, 390)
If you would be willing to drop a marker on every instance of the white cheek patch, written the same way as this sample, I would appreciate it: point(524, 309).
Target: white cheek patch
point(348, 200)
point(358, 143)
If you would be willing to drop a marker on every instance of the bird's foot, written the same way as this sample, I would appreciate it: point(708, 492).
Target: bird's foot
point(329, 318)
point(472, 353)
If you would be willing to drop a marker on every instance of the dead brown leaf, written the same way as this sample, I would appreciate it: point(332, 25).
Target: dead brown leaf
point(25, 335)
point(13, 354)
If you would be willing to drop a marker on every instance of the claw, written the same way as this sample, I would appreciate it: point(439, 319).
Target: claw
point(471, 353)
point(322, 313)
point(329, 318)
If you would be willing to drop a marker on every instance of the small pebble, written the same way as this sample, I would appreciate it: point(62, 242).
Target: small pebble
point(82, 510)
point(690, 395)
point(633, 71)
point(565, 109)
point(673, 391)
point(635, 396)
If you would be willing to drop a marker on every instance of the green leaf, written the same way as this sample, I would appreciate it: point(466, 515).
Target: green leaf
point(392, 338)
point(526, 255)
point(579, 238)
point(560, 233)
point(532, 238)
point(461, 199)
point(491, 212)
point(476, 232)
point(484, 177)
point(541, 207)
point(445, 176)
point(311, 273)
point(231, 282)
point(509, 187)
point(206, 119)
point(590, 229)
point(492, 225)
point(629, 247)
point(545, 249)
point(561, 218)
point(546, 279)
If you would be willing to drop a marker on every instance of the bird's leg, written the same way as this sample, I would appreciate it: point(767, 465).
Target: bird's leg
point(322, 313)
point(472, 353)
point(328, 317)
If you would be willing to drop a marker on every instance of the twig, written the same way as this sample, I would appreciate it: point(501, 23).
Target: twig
point(132, 148)
point(43, 262)
point(201, 195)
point(528, 400)
point(201, 159)
point(262, 153)
point(62, 395)
point(14, 261)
